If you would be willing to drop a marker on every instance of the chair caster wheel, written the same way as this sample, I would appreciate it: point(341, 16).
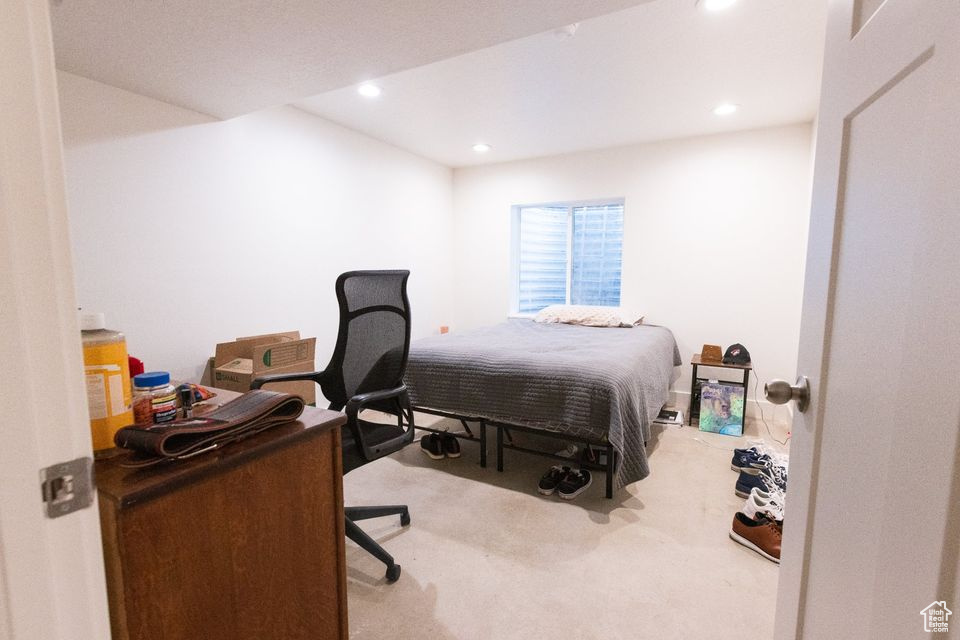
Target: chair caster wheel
point(404, 519)
point(393, 573)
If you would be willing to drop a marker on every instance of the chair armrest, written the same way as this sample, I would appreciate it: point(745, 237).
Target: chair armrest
point(315, 376)
point(360, 400)
point(386, 447)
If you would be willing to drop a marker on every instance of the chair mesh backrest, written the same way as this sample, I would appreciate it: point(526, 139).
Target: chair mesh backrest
point(374, 337)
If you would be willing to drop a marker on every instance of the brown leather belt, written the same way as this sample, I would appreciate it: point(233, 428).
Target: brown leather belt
point(251, 413)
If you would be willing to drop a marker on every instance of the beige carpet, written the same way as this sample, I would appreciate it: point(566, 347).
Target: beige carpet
point(487, 557)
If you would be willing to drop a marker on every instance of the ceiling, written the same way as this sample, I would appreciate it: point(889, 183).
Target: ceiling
point(230, 57)
point(651, 72)
point(458, 72)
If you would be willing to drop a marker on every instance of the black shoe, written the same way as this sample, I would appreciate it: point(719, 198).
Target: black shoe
point(450, 444)
point(431, 445)
point(574, 483)
point(548, 483)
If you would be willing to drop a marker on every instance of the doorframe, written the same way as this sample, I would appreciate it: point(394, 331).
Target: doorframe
point(52, 583)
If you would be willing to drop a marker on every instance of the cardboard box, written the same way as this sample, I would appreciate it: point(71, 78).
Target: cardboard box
point(236, 364)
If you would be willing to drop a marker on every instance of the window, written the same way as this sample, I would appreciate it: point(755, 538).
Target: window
point(567, 254)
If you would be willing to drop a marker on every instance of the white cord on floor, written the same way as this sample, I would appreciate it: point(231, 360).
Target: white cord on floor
point(756, 400)
point(702, 441)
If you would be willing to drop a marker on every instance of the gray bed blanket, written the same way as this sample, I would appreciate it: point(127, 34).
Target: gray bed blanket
point(603, 384)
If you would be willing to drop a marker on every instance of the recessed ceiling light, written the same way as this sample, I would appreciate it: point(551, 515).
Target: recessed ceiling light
point(369, 90)
point(716, 5)
point(725, 109)
point(481, 147)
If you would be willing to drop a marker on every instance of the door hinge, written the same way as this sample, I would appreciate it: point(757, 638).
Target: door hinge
point(67, 486)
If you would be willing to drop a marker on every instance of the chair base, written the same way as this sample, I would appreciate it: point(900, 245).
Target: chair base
point(367, 543)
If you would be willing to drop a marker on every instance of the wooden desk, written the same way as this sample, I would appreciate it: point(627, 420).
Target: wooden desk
point(242, 544)
point(697, 361)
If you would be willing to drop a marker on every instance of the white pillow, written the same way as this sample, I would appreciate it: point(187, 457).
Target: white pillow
point(588, 316)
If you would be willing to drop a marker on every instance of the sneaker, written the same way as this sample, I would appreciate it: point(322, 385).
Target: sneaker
point(551, 479)
point(780, 497)
point(569, 452)
point(747, 459)
point(762, 448)
point(762, 535)
point(747, 482)
point(431, 445)
point(574, 483)
point(760, 503)
point(451, 446)
point(775, 474)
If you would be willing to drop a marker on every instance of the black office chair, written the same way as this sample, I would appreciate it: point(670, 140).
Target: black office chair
point(366, 372)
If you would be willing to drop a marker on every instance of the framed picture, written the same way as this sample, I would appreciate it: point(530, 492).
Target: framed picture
point(721, 408)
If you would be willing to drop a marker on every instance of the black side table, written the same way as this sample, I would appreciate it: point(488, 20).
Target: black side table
point(695, 381)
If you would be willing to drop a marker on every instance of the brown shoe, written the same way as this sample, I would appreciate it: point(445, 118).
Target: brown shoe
point(763, 535)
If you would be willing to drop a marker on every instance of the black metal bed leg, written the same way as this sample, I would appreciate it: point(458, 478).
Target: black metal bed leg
point(611, 469)
point(499, 448)
point(483, 444)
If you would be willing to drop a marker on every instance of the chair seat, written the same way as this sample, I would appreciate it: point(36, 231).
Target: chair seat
point(374, 433)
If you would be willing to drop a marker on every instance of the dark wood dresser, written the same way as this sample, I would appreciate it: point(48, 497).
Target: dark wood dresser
point(242, 544)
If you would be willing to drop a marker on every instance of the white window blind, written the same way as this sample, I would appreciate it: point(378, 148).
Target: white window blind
point(597, 253)
point(569, 254)
point(543, 257)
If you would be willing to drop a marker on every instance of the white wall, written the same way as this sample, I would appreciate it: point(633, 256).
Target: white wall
point(188, 231)
point(715, 235)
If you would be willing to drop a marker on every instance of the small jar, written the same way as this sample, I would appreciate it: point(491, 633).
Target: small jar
point(154, 398)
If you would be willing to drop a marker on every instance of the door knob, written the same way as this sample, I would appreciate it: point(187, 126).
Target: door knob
point(781, 392)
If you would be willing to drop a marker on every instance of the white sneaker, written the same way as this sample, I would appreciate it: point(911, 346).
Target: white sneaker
point(780, 497)
point(761, 502)
point(569, 452)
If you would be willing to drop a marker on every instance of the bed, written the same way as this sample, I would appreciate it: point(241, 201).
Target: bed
point(601, 385)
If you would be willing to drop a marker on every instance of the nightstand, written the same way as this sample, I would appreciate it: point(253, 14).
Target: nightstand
point(695, 382)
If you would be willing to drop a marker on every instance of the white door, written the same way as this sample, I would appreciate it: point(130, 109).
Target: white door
point(873, 510)
point(51, 570)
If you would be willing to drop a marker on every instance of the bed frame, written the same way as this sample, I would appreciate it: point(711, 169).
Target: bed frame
point(608, 466)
